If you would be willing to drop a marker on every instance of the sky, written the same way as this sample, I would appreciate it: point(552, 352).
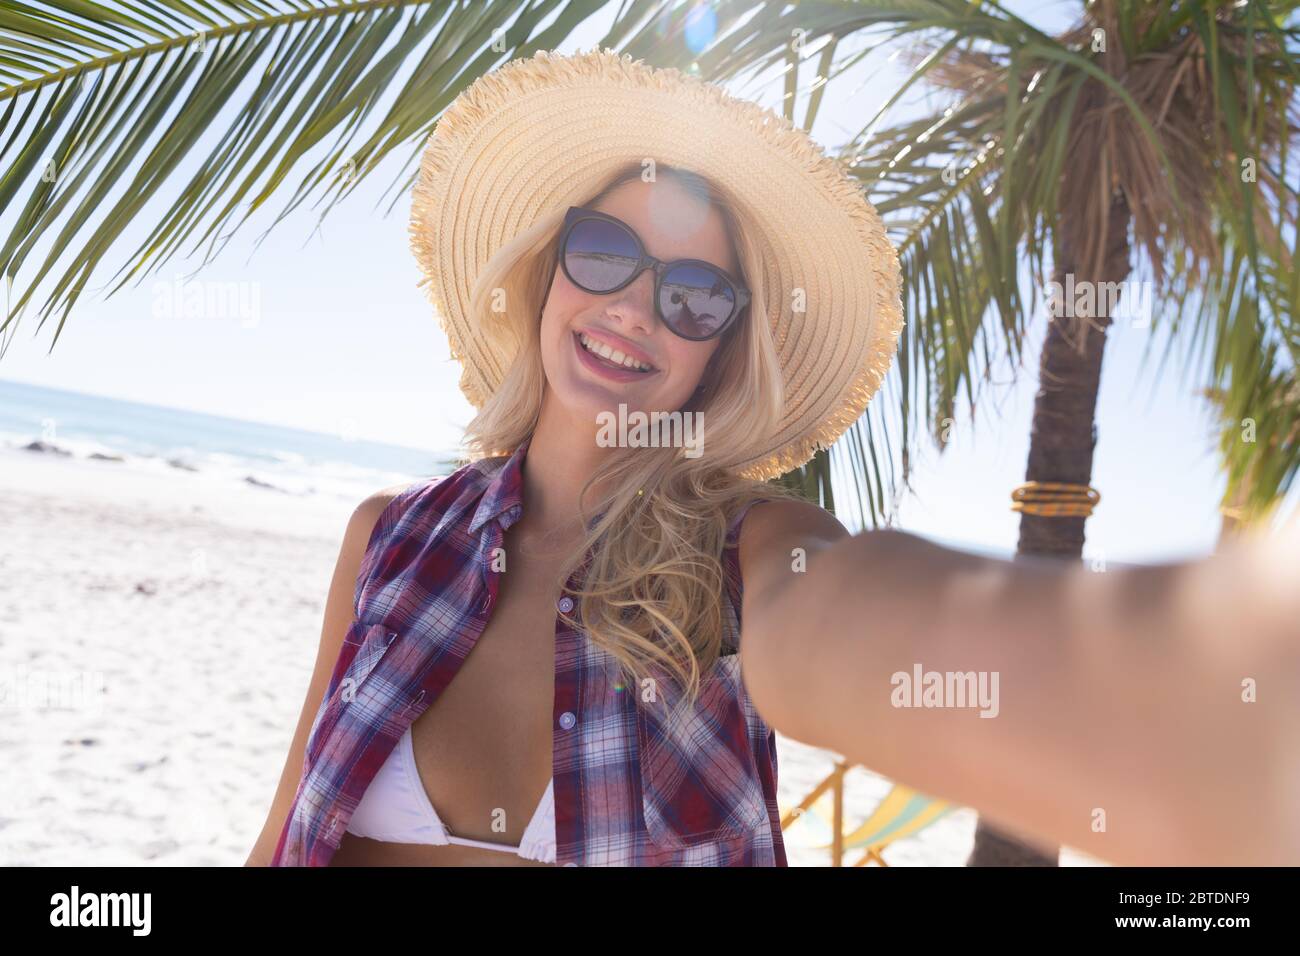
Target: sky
point(328, 330)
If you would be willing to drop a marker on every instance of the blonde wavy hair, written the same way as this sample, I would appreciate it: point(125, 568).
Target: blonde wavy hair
point(651, 595)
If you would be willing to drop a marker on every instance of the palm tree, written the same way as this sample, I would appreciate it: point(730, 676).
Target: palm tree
point(1120, 145)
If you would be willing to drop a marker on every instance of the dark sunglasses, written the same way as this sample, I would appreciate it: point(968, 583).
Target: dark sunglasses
point(694, 298)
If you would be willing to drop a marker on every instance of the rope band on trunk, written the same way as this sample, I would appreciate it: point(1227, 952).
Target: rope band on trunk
point(1054, 499)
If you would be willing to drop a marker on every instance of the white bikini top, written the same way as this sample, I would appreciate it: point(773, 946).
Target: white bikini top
point(395, 808)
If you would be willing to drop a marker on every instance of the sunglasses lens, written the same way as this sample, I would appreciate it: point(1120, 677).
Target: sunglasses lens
point(599, 255)
point(696, 301)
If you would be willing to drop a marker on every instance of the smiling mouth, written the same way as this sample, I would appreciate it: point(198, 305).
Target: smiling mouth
point(611, 358)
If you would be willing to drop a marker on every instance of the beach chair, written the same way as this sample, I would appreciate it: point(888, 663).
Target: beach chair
point(901, 814)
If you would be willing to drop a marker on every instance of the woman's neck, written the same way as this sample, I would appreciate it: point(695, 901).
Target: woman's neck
point(561, 457)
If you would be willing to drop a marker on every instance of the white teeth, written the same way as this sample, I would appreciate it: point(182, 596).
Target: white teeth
point(613, 355)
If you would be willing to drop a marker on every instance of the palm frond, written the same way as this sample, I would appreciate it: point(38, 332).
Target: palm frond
point(102, 103)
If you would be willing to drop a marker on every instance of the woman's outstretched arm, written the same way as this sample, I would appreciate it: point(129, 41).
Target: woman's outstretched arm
point(1146, 715)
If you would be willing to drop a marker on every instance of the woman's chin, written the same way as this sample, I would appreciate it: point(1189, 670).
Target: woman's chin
point(592, 402)
point(588, 399)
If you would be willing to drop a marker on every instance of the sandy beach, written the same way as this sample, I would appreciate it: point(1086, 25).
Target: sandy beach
point(157, 633)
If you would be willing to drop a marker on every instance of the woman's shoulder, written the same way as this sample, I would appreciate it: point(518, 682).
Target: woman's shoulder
point(374, 505)
point(420, 504)
point(382, 508)
point(775, 525)
point(777, 515)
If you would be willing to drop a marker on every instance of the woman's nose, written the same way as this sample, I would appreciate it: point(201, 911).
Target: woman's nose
point(633, 305)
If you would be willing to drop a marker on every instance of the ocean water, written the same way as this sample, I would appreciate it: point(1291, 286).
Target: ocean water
point(156, 438)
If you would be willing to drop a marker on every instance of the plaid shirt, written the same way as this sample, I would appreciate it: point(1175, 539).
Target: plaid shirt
point(633, 785)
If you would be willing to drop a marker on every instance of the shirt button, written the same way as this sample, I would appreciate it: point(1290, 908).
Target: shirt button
point(567, 720)
point(566, 604)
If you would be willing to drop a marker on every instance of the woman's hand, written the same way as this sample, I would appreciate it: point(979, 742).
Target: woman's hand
point(1236, 618)
point(1145, 715)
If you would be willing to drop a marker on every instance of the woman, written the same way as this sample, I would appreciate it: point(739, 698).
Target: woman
point(538, 664)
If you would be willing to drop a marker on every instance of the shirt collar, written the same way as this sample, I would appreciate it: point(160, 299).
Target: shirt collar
point(504, 493)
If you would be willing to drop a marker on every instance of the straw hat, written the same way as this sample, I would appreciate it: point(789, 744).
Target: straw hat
point(545, 132)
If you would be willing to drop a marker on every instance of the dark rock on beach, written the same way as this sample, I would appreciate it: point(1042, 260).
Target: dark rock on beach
point(48, 448)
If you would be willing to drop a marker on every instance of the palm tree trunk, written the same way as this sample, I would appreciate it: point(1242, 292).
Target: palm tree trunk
point(1060, 449)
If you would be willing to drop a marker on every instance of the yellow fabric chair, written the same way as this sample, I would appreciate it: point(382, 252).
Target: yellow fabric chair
point(901, 814)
